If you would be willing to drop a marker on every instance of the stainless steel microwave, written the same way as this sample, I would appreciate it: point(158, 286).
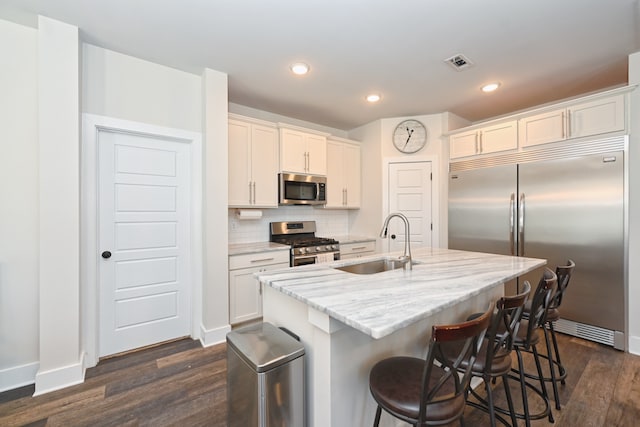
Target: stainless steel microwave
point(299, 189)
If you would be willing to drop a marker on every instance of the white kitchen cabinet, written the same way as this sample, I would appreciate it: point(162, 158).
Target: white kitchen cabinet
point(574, 121)
point(357, 250)
point(343, 174)
point(253, 164)
point(303, 152)
point(245, 294)
point(543, 128)
point(489, 139)
point(597, 117)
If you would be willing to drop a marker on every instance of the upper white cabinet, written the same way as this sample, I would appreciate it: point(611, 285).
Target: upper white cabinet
point(303, 152)
point(488, 139)
point(343, 174)
point(542, 128)
point(596, 117)
point(253, 164)
point(583, 119)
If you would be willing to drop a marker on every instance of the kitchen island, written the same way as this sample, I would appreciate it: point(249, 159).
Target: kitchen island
point(347, 322)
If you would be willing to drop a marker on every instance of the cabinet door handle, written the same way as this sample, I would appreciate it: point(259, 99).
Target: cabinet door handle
point(254, 192)
point(249, 192)
point(480, 138)
point(262, 260)
point(568, 133)
point(359, 248)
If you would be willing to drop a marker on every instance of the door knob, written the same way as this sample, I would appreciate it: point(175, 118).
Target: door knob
point(106, 254)
point(393, 236)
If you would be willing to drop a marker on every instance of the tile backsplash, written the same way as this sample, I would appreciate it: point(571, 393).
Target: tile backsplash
point(329, 223)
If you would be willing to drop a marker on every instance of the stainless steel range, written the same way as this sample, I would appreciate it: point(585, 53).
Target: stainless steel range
point(306, 248)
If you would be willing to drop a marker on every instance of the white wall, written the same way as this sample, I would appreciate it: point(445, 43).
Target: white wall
point(124, 87)
point(377, 146)
point(215, 322)
point(59, 196)
point(19, 237)
point(633, 297)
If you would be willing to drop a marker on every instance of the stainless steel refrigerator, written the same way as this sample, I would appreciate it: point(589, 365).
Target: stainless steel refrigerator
point(565, 201)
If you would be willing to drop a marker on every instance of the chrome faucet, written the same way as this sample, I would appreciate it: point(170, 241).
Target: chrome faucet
point(406, 257)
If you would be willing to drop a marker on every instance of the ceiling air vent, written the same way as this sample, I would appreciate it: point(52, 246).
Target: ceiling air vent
point(459, 62)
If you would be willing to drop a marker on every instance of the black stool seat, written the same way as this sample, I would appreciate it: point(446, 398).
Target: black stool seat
point(397, 381)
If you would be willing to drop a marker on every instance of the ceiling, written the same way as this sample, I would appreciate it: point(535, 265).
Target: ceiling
point(539, 50)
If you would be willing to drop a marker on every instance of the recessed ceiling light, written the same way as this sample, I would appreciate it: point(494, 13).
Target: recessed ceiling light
point(374, 97)
point(490, 87)
point(299, 68)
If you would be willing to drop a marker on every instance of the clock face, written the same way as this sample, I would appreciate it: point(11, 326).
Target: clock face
point(410, 136)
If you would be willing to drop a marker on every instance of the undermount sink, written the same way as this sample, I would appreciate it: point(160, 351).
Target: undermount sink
point(375, 266)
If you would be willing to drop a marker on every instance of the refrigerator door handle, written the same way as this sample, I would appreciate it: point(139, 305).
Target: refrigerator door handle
point(512, 223)
point(521, 225)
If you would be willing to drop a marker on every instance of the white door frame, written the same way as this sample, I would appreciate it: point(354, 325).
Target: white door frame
point(435, 190)
point(91, 125)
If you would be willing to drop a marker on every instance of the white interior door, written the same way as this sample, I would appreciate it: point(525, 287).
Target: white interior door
point(410, 194)
point(144, 223)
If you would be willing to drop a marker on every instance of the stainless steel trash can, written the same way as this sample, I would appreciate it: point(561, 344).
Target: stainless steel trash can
point(265, 378)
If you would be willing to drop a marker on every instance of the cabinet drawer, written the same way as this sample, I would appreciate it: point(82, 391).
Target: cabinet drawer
point(352, 249)
point(258, 259)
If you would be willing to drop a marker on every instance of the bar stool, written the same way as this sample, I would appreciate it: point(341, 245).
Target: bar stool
point(494, 357)
point(563, 273)
point(420, 392)
point(526, 340)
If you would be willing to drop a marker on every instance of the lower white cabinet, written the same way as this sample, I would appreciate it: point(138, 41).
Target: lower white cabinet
point(245, 293)
point(357, 250)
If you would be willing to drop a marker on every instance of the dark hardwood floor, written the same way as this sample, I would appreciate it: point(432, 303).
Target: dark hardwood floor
point(181, 383)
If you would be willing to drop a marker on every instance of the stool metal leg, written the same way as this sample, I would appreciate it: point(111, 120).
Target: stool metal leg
point(562, 370)
point(552, 369)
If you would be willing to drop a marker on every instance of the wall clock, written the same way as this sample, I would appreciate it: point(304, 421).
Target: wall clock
point(410, 136)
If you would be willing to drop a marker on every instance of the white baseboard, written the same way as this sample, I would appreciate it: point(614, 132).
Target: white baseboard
point(55, 379)
point(18, 376)
point(634, 345)
point(214, 336)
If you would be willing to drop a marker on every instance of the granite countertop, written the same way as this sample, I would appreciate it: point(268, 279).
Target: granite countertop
point(255, 247)
point(380, 304)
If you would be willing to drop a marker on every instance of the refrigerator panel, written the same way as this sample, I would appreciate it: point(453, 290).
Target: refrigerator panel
point(481, 209)
point(574, 208)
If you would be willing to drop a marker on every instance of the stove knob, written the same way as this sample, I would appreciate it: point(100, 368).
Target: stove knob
point(318, 249)
point(327, 248)
point(304, 250)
